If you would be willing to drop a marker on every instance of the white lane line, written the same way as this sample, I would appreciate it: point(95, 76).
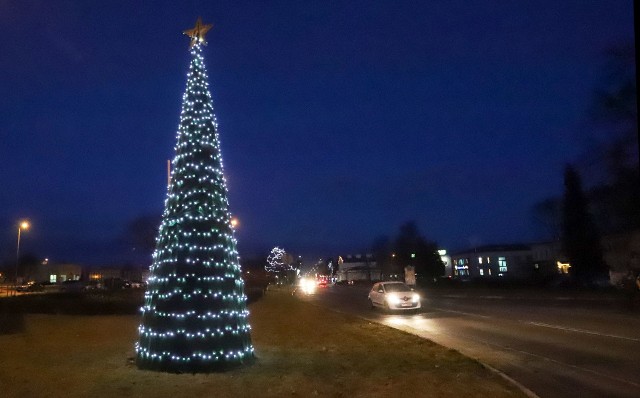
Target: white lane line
point(576, 367)
point(416, 331)
point(462, 312)
point(546, 325)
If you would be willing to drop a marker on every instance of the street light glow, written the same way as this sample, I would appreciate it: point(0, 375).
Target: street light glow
point(23, 225)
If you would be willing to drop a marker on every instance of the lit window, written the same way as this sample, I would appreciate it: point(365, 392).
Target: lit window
point(488, 260)
point(53, 278)
point(481, 272)
point(502, 264)
point(479, 260)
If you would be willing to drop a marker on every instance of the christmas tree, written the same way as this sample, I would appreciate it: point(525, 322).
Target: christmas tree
point(195, 316)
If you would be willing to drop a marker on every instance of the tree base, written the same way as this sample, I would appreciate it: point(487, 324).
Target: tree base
point(193, 366)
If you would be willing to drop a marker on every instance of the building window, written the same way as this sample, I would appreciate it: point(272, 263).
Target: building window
point(481, 272)
point(53, 278)
point(479, 260)
point(502, 264)
point(461, 266)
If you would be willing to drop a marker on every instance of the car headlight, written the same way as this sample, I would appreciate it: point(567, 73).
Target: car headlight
point(393, 298)
point(416, 297)
point(308, 286)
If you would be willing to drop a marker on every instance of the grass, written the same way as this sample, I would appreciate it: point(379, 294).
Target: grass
point(302, 351)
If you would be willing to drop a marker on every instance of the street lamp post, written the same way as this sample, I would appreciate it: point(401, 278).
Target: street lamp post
point(23, 225)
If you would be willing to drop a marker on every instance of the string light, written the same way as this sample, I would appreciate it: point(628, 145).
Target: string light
point(275, 261)
point(195, 317)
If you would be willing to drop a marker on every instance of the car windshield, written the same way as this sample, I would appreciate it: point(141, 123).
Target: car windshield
point(397, 287)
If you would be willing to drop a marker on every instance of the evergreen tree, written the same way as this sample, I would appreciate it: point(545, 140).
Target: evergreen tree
point(382, 249)
point(580, 238)
point(411, 248)
point(195, 317)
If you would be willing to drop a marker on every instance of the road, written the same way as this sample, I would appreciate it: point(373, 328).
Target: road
point(553, 344)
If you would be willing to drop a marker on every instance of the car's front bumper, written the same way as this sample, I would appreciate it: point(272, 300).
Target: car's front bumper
point(404, 306)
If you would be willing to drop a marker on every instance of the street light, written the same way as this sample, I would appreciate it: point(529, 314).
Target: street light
point(234, 222)
point(24, 225)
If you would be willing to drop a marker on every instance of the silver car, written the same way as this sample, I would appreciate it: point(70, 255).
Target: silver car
point(394, 296)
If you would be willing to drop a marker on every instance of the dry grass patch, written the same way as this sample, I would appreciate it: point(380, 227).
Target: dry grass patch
point(302, 350)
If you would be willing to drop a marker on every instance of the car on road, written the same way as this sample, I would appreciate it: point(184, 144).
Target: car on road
point(394, 295)
point(30, 286)
point(138, 284)
point(73, 286)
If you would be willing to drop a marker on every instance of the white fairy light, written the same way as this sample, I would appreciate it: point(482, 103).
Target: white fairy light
point(195, 314)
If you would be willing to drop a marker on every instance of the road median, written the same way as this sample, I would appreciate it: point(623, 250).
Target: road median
point(301, 349)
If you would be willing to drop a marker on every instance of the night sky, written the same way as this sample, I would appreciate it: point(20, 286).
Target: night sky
point(338, 120)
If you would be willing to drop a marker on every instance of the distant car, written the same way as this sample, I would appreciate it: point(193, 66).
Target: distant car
point(138, 285)
point(73, 286)
point(30, 286)
point(116, 283)
point(93, 285)
point(394, 296)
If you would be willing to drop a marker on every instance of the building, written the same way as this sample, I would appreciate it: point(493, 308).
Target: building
point(129, 273)
point(548, 260)
point(55, 273)
point(622, 254)
point(446, 260)
point(541, 261)
point(494, 261)
point(358, 268)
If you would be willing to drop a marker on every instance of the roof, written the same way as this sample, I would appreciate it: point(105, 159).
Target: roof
point(495, 248)
point(357, 258)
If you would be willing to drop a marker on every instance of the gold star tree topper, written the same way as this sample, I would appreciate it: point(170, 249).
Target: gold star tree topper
point(197, 33)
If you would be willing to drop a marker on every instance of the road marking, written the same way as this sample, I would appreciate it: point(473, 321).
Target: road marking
point(462, 349)
point(462, 312)
point(566, 364)
point(546, 325)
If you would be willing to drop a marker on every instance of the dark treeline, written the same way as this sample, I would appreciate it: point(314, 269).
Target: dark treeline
point(408, 247)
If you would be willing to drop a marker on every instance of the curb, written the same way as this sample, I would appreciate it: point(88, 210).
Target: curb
point(522, 388)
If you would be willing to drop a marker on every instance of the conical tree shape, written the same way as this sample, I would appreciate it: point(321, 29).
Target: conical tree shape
point(195, 317)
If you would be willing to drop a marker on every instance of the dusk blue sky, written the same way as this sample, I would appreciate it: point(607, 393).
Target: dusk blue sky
point(338, 120)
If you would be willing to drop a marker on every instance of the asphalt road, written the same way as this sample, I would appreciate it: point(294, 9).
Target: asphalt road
point(554, 344)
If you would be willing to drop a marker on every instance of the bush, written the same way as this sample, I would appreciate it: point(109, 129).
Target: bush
point(126, 302)
point(102, 302)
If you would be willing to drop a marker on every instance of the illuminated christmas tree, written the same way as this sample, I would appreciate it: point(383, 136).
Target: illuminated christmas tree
point(195, 316)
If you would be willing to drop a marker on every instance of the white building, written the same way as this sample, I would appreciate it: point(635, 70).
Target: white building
point(358, 268)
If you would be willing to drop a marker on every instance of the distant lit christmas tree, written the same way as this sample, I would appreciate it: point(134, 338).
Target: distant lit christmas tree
point(195, 316)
